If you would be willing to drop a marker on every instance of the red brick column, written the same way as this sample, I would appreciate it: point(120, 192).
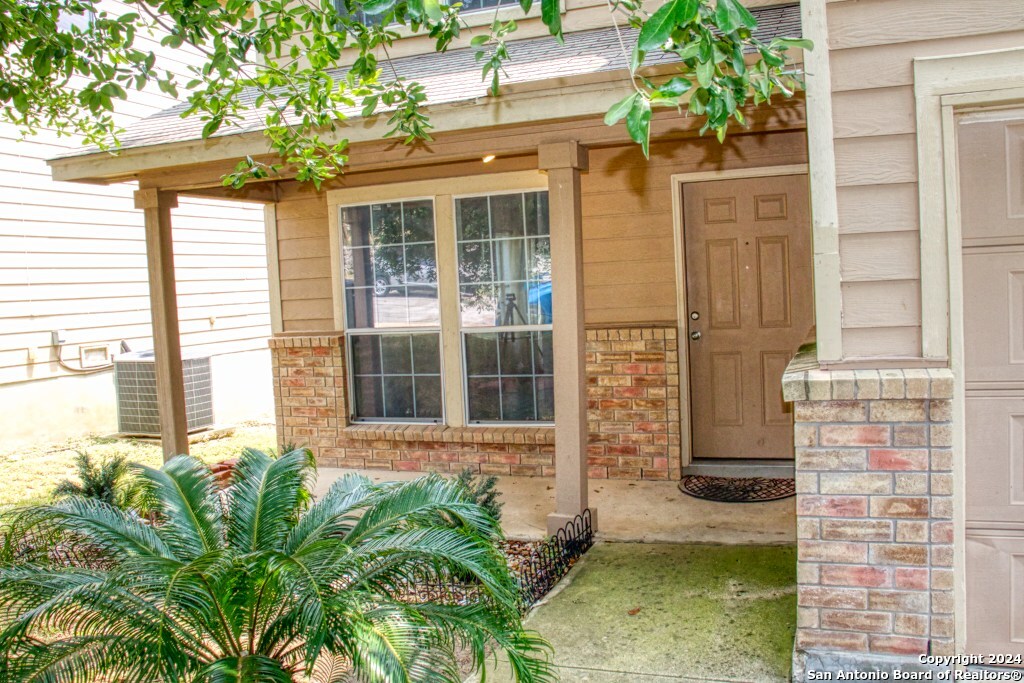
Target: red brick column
point(874, 508)
point(309, 389)
point(633, 403)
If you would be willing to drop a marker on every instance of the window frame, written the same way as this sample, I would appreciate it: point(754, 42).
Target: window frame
point(350, 379)
point(494, 329)
point(484, 16)
point(455, 408)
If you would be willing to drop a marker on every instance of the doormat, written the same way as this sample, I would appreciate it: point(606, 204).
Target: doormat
point(736, 489)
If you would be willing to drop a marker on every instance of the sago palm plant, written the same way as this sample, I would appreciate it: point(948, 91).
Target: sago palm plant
point(109, 480)
point(258, 585)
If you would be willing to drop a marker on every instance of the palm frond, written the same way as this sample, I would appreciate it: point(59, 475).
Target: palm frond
point(246, 669)
point(429, 500)
point(264, 497)
point(333, 515)
point(184, 495)
point(114, 532)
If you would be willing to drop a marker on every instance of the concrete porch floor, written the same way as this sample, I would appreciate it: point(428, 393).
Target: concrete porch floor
point(660, 613)
point(630, 511)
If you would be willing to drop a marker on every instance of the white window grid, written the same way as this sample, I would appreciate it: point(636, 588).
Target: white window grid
point(451, 262)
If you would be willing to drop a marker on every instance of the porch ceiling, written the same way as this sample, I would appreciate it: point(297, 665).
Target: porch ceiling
point(545, 80)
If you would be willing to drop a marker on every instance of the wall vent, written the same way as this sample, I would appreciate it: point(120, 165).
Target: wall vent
point(135, 384)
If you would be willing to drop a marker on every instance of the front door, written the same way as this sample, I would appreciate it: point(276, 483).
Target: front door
point(991, 154)
point(750, 307)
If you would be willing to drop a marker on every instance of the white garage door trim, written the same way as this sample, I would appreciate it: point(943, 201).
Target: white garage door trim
point(943, 86)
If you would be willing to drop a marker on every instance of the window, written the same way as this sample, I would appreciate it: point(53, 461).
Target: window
point(467, 7)
point(504, 265)
point(447, 300)
point(392, 316)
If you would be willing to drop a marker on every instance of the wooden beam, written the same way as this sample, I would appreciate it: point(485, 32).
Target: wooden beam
point(564, 161)
point(163, 300)
point(264, 192)
point(182, 172)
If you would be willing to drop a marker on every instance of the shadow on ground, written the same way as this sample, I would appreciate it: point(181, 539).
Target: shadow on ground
point(647, 613)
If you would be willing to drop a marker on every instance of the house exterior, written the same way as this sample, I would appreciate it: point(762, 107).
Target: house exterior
point(837, 285)
point(74, 259)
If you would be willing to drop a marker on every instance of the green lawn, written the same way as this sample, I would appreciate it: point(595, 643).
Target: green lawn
point(28, 475)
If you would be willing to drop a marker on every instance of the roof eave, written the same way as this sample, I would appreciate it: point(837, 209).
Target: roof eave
point(555, 98)
point(571, 97)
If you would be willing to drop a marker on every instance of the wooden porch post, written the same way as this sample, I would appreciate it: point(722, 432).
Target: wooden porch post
point(564, 161)
point(163, 302)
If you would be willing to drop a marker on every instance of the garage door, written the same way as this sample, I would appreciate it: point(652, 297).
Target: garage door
point(991, 154)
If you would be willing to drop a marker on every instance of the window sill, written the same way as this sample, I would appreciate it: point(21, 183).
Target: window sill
point(446, 434)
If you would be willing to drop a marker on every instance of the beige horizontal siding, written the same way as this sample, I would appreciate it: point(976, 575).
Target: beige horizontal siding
point(305, 261)
point(72, 257)
point(860, 23)
point(873, 44)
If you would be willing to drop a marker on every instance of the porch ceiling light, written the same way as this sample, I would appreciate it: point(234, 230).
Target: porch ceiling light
point(488, 159)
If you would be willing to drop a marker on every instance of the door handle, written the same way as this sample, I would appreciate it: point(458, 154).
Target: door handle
point(695, 336)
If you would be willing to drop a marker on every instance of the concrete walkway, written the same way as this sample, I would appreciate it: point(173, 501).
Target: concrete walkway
point(641, 511)
point(654, 613)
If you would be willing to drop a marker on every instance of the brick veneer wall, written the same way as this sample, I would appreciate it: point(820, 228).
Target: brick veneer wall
point(633, 403)
point(633, 389)
point(874, 510)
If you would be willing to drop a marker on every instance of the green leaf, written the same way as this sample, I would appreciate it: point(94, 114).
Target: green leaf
point(689, 51)
point(211, 127)
point(675, 87)
point(636, 58)
point(369, 105)
point(551, 15)
point(620, 109)
point(802, 43)
point(374, 7)
point(657, 29)
point(705, 73)
point(731, 15)
point(433, 10)
point(477, 41)
point(638, 123)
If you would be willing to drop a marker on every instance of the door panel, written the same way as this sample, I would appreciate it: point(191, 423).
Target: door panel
point(995, 592)
point(748, 278)
point(995, 473)
point(991, 159)
point(993, 350)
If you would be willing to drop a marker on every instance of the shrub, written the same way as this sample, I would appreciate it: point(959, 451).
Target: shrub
point(482, 490)
point(244, 586)
point(109, 480)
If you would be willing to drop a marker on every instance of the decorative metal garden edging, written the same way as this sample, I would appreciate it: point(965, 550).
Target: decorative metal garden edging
point(536, 574)
point(552, 559)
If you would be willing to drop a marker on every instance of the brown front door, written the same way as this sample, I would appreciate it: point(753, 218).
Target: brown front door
point(991, 155)
point(749, 303)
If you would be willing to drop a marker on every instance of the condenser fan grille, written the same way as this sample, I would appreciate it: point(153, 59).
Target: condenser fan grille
point(135, 382)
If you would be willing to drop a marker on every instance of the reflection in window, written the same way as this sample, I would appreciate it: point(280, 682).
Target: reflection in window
point(504, 267)
point(504, 250)
point(370, 19)
point(509, 376)
point(390, 265)
point(396, 376)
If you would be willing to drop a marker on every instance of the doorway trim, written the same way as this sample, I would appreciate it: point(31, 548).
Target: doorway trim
point(677, 180)
point(943, 87)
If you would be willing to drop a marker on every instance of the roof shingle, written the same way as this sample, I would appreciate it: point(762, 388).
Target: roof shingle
point(454, 76)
